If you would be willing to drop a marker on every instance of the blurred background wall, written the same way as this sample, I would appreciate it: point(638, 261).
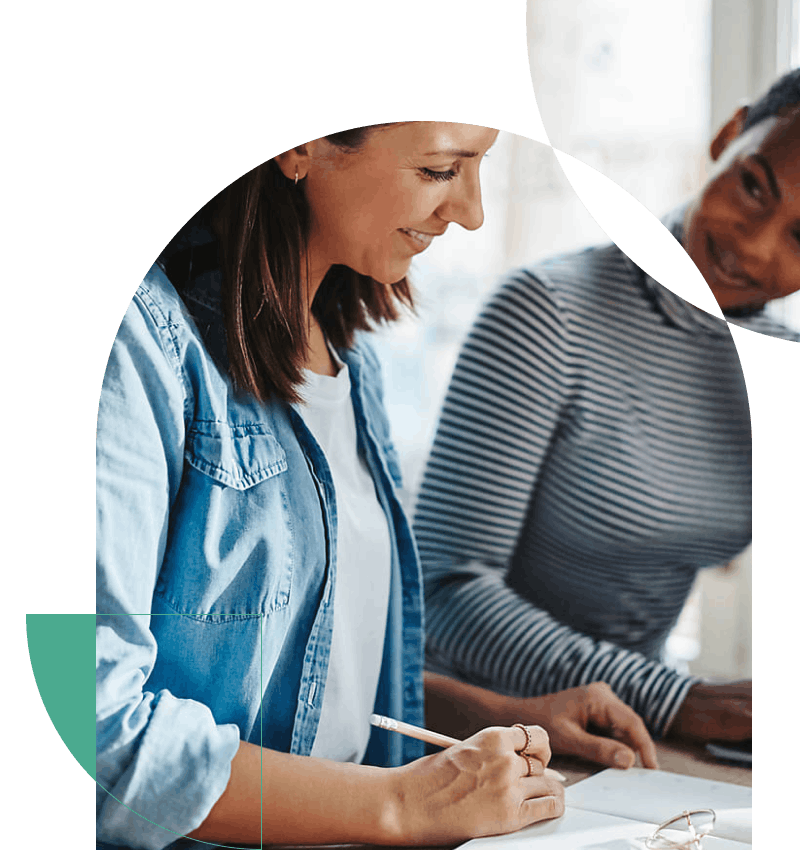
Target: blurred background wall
point(636, 90)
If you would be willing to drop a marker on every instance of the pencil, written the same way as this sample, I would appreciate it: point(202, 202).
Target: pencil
point(435, 738)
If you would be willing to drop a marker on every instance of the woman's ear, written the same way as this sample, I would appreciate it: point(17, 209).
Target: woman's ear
point(294, 163)
point(728, 132)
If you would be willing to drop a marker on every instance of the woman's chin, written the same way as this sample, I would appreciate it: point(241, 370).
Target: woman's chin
point(390, 278)
point(390, 271)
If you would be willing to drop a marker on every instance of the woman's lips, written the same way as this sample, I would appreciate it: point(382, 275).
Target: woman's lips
point(417, 238)
point(727, 269)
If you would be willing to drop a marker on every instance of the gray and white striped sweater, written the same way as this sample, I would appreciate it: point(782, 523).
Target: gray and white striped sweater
point(593, 453)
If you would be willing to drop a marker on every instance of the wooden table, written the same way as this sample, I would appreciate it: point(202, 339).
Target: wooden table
point(691, 760)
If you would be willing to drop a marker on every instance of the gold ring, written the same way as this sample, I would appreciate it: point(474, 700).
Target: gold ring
point(523, 751)
point(528, 761)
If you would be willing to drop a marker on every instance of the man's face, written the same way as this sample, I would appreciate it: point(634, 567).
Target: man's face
point(743, 229)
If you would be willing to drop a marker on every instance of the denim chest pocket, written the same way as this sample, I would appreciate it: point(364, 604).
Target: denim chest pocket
point(230, 543)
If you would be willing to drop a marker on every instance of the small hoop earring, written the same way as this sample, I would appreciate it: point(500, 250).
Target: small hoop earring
point(296, 175)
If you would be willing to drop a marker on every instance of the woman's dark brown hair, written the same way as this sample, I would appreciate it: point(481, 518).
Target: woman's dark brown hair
point(263, 240)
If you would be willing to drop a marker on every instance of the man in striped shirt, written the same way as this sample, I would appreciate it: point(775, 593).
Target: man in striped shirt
point(594, 452)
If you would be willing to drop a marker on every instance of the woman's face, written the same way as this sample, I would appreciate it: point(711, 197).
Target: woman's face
point(375, 208)
point(743, 230)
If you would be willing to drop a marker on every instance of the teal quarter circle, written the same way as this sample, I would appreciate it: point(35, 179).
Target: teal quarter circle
point(62, 652)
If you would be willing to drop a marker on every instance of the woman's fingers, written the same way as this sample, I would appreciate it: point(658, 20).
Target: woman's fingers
point(530, 765)
point(481, 786)
point(610, 713)
point(511, 781)
point(618, 733)
point(535, 743)
point(599, 749)
point(544, 799)
point(542, 808)
point(627, 726)
point(541, 786)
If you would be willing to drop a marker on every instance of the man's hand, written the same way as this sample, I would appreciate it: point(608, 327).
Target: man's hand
point(715, 713)
point(568, 717)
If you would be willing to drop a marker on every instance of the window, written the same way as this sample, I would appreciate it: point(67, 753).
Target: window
point(795, 33)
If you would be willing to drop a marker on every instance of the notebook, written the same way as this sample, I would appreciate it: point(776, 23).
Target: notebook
point(618, 809)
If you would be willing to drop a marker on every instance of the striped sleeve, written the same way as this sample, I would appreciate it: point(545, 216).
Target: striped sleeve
point(510, 387)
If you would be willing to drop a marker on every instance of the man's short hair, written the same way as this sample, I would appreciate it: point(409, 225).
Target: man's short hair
point(782, 96)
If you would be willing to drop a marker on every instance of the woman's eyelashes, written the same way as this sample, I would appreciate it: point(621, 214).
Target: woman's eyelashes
point(431, 174)
point(752, 186)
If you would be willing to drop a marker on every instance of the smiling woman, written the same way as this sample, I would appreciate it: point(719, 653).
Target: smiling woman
point(743, 229)
point(375, 207)
point(364, 201)
point(247, 489)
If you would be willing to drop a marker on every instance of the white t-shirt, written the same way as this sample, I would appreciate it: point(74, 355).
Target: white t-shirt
point(363, 558)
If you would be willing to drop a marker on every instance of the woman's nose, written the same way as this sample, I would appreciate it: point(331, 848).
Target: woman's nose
point(463, 204)
point(760, 247)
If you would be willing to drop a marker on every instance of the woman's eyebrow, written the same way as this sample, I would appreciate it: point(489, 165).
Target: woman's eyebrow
point(773, 183)
point(453, 152)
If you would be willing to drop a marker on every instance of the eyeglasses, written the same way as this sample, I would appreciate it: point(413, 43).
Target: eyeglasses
point(683, 832)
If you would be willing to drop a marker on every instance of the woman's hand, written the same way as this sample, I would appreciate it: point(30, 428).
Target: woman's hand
point(477, 787)
point(716, 713)
point(459, 709)
point(569, 715)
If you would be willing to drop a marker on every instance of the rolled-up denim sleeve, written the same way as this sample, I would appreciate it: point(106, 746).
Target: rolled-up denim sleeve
point(162, 762)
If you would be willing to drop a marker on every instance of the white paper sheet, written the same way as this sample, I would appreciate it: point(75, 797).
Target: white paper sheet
point(577, 829)
point(655, 795)
point(617, 809)
point(582, 830)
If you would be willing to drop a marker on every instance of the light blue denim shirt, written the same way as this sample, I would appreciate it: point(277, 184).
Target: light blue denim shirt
point(216, 542)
